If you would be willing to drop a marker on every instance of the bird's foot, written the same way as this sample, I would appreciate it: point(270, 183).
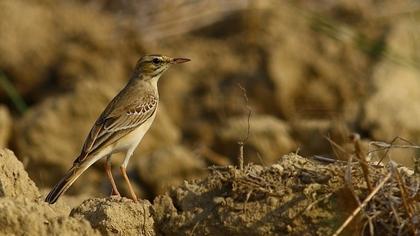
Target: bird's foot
point(115, 194)
point(134, 198)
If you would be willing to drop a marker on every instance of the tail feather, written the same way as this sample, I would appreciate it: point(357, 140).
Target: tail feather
point(72, 174)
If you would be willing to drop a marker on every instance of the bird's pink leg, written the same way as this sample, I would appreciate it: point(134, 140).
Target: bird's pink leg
point(124, 173)
point(111, 179)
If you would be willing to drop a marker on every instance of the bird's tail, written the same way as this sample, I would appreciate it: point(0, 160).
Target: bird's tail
point(72, 174)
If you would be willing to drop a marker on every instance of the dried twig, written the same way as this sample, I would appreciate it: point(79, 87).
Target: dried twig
point(248, 195)
point(326, 196)
point(241, 155)
point(348, 181)
point(326, 159)
point(384, 146)
point(261, 159)
point(355, 138)
point(395, 213)
point(357, 210)
point(245, 139)
point(404, 195)
point(334, 144)
point(388, 146)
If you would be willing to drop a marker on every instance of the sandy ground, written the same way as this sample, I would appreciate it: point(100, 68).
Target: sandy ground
point(296, 196)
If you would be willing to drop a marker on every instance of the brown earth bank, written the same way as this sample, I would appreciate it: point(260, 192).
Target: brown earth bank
point(294, 196)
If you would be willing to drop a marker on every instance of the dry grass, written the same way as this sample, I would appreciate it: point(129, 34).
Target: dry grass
point(392, 206)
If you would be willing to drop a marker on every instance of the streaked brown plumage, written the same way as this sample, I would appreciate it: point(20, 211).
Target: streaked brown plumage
point(122, 124)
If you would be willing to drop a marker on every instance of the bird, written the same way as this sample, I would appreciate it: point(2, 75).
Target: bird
point(122, 124)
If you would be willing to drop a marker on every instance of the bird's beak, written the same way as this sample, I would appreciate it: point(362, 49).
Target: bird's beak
point(179, 60)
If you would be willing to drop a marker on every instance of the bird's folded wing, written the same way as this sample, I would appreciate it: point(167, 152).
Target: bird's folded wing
point(111, 127)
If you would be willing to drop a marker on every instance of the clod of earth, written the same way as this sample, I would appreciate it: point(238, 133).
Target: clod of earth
point(117, 216)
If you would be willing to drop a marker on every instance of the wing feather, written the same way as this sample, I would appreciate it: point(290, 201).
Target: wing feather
point(111, 127)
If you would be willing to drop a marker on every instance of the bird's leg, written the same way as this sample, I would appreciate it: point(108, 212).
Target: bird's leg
point(130, 188)
point(124, 173)
point(111, 179)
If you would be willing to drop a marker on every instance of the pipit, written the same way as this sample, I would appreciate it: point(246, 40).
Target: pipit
point(122, 124)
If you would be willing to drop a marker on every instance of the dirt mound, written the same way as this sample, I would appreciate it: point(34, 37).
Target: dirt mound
point(23, 212)
point(296, 196)
point(114, 216)
point(14, 181)
point(256, 201)
point(21, 216)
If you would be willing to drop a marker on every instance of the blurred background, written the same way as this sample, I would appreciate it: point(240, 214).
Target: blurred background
point(310, 70)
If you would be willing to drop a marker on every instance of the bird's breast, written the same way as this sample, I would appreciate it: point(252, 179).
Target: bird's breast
point(132, 139)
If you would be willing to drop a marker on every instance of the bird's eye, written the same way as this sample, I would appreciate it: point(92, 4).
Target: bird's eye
point(156, 61)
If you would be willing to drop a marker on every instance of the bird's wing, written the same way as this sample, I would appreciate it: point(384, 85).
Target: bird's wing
point(117, 121)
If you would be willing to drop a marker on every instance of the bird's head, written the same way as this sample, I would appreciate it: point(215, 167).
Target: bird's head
point(153, 66)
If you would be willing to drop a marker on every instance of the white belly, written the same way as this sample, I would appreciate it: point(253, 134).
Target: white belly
point(131, 140)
